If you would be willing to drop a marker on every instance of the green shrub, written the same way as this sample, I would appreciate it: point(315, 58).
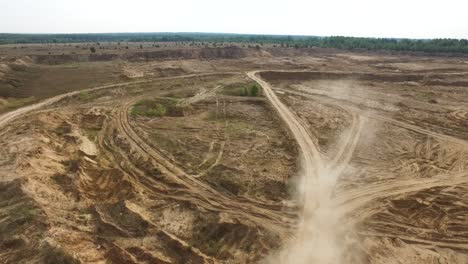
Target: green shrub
point(85, 96)
point(12, 243)
point(53, 255)
point(73, 165)
point(63, 128)
point(25, 214)
point(157, 110)
point(149, 108)
point(13, 103)
point(252, 90)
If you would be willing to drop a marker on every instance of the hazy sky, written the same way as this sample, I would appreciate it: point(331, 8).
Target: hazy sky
point(369, 18)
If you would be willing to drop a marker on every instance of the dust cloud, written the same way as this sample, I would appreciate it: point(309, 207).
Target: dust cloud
point(316, 240)
point(321, 234)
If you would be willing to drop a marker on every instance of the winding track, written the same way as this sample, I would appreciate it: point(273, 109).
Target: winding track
point(332, 99)
point(204, 195)
point(10, 116)
point(310, 153)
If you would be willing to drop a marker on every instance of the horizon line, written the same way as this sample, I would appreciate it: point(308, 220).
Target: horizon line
point(227, 33)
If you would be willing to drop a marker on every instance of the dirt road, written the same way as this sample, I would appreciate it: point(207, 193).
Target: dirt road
point(7, 117)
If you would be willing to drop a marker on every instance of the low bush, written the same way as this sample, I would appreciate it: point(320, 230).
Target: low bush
point(249, 90)
point(63, 128)
point(73, 165)
point(85, 96)
point(53, 255)
point(157, 108)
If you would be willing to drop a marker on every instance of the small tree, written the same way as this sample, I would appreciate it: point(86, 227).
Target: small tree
point(92, 49)
point(254, 90)
point(245, 92)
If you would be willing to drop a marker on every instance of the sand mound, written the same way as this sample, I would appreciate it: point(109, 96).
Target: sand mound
point(87, 147)
point(18, 64)
point(3, 103)
point(132, 73)
point(25, 61)
point(4, 68)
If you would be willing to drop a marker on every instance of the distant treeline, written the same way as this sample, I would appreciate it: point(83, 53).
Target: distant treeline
point(350, 43)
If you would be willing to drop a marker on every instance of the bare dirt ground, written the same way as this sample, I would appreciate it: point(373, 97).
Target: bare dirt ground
point(168, 155)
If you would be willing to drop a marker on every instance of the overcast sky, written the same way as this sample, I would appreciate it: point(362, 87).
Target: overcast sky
point(366, 18)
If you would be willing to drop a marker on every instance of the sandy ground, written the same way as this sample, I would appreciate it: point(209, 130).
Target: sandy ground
point(341, 158)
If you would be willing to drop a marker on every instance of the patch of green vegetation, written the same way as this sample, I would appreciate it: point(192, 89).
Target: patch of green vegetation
point(165, 142)
point(124, 218)
point(214, 116)
point(157, 108)
point(153, 110)
point(12, 243)
point(86, 96)
point(14, 103)
point(61, 179)
point(24, 214)
point(63, 128)
point(54, 255)
point(19, 218)
point(238, 127)
point(92, 133)
point(208, 163)
point(225, 179)
point(254, 90)
point(247, 90)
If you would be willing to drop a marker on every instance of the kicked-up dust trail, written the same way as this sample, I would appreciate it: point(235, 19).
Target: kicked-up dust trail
point(316, 238)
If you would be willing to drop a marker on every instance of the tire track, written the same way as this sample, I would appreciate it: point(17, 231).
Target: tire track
point(345, 152)
point(329, 97)
point(9, 116)
point(352, 200)
point(266, 215)
point(359, 204)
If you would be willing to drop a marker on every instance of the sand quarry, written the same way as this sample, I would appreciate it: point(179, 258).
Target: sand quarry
point(182, 154)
